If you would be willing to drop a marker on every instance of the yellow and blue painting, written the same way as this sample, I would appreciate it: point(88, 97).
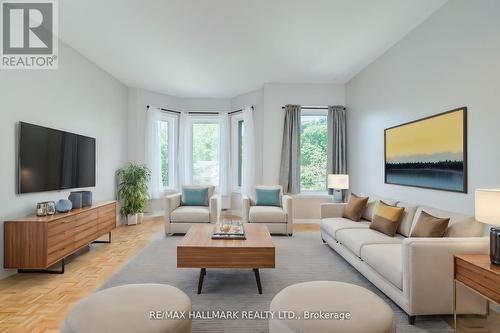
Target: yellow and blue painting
point(429, 153)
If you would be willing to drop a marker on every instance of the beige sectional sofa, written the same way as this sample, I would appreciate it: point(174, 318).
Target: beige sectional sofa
point(416, 273)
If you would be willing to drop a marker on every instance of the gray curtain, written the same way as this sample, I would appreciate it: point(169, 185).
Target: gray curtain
point(290, 151)
point(336, 149)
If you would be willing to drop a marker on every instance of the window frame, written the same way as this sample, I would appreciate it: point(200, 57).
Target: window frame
point(172, 121)
point(313, 113)
point(200, 119)
point(236, 157)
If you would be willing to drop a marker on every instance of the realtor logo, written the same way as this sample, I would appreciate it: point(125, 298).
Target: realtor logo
point(29, 34)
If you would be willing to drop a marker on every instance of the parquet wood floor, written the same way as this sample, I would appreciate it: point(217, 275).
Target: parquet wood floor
point(39, 302)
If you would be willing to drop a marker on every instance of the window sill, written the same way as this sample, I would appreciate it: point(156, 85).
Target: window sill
point(313, 195)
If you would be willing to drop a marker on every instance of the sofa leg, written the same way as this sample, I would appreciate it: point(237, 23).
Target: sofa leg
point(324, 241)
point(411, 319)
point(290, 234)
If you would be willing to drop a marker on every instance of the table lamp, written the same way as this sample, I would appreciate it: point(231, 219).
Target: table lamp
point(338, 182)
point(488, 211)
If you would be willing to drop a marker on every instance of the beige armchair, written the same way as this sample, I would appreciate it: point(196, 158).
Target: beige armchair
point(279, 220)
point(178, 218)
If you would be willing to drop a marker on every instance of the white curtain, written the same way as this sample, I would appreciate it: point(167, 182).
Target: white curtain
point(182, 152)
point(153, 152)
point(224, 154)
point(248, 167)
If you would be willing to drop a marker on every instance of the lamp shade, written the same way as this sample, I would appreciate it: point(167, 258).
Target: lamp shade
point(488, 206)
point(338, 182)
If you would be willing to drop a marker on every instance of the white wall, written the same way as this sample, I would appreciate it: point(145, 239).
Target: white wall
point(451, 60)
point(78, 97)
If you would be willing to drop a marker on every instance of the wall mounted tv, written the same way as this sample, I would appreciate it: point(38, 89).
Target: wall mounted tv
point(49, 159)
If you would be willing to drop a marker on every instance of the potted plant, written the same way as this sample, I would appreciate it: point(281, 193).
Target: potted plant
point(133, 191)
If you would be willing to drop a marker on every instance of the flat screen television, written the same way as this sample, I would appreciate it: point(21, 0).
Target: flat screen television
point(50, 159)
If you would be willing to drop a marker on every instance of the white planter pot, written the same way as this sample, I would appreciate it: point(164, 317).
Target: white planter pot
point(140, 217)
point(132, 219)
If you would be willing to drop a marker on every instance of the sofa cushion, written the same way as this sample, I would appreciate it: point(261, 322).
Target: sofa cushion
point(355, 207)
point(387, 218)
point(373, 201)
point(460, 225)
point(267, 214)
point(331, 225)
point(386, 260)
point(355, 239)
point(191, 214)
point(407, 219)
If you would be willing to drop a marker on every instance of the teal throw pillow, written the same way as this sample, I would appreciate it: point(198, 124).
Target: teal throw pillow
point(267, 197)
point(195, 196)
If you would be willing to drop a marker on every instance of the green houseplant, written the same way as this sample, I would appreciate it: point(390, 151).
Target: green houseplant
point(133, 191)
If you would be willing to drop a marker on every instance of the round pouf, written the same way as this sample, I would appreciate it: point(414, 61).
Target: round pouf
point(329, 306)
point(130, 308)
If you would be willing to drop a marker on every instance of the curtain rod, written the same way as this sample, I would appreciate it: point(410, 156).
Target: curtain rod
point(240, 110)
point(198, 113)
point(312, 107)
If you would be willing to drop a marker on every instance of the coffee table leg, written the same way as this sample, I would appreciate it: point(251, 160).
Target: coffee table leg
point(257, 278)
point(203, 272)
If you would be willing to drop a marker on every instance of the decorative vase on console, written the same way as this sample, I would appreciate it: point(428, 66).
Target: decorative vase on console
point(63, 206)
point(76, 199)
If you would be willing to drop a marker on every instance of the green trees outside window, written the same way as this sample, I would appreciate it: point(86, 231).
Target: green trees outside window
point(164, 152)
point(313, 158)
point(205, 153)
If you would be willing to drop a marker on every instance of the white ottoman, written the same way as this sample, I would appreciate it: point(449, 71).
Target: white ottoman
point(126, 309)
point(368, 313)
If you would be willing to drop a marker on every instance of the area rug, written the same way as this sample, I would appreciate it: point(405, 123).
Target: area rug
point(300, 258)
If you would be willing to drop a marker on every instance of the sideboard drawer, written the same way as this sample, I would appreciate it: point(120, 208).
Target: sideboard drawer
point(60, 240)
point(60, 225)
point(88, 217)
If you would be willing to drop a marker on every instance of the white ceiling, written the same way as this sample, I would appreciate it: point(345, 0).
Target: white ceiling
point(223, 48)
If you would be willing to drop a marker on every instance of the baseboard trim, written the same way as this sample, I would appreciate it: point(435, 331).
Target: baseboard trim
point(306, 221)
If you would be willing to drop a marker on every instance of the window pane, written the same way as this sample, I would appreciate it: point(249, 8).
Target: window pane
point(241, 129)
point(313, 159)
point(205, 154)
point(164, 152)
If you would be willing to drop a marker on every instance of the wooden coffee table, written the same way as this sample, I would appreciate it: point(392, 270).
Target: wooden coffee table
point(198, 250)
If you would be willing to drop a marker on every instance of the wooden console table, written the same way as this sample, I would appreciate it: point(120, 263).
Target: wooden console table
point(476, 272)
point(33, 244)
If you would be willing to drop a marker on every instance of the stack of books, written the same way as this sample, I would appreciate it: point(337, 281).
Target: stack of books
point(229, 230)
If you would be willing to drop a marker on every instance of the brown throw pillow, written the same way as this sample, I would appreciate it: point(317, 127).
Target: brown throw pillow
point(387, 218)
point(430, 226)
point(355, 207)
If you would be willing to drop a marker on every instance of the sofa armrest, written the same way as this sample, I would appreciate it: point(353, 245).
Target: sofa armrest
point(287, 203)
point(172, 202)
point(214, 205)
point(245, 208)
point(332, 210)
point(428, 275)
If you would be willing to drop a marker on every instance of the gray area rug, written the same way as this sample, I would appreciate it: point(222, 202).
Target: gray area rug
point(300, 258)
